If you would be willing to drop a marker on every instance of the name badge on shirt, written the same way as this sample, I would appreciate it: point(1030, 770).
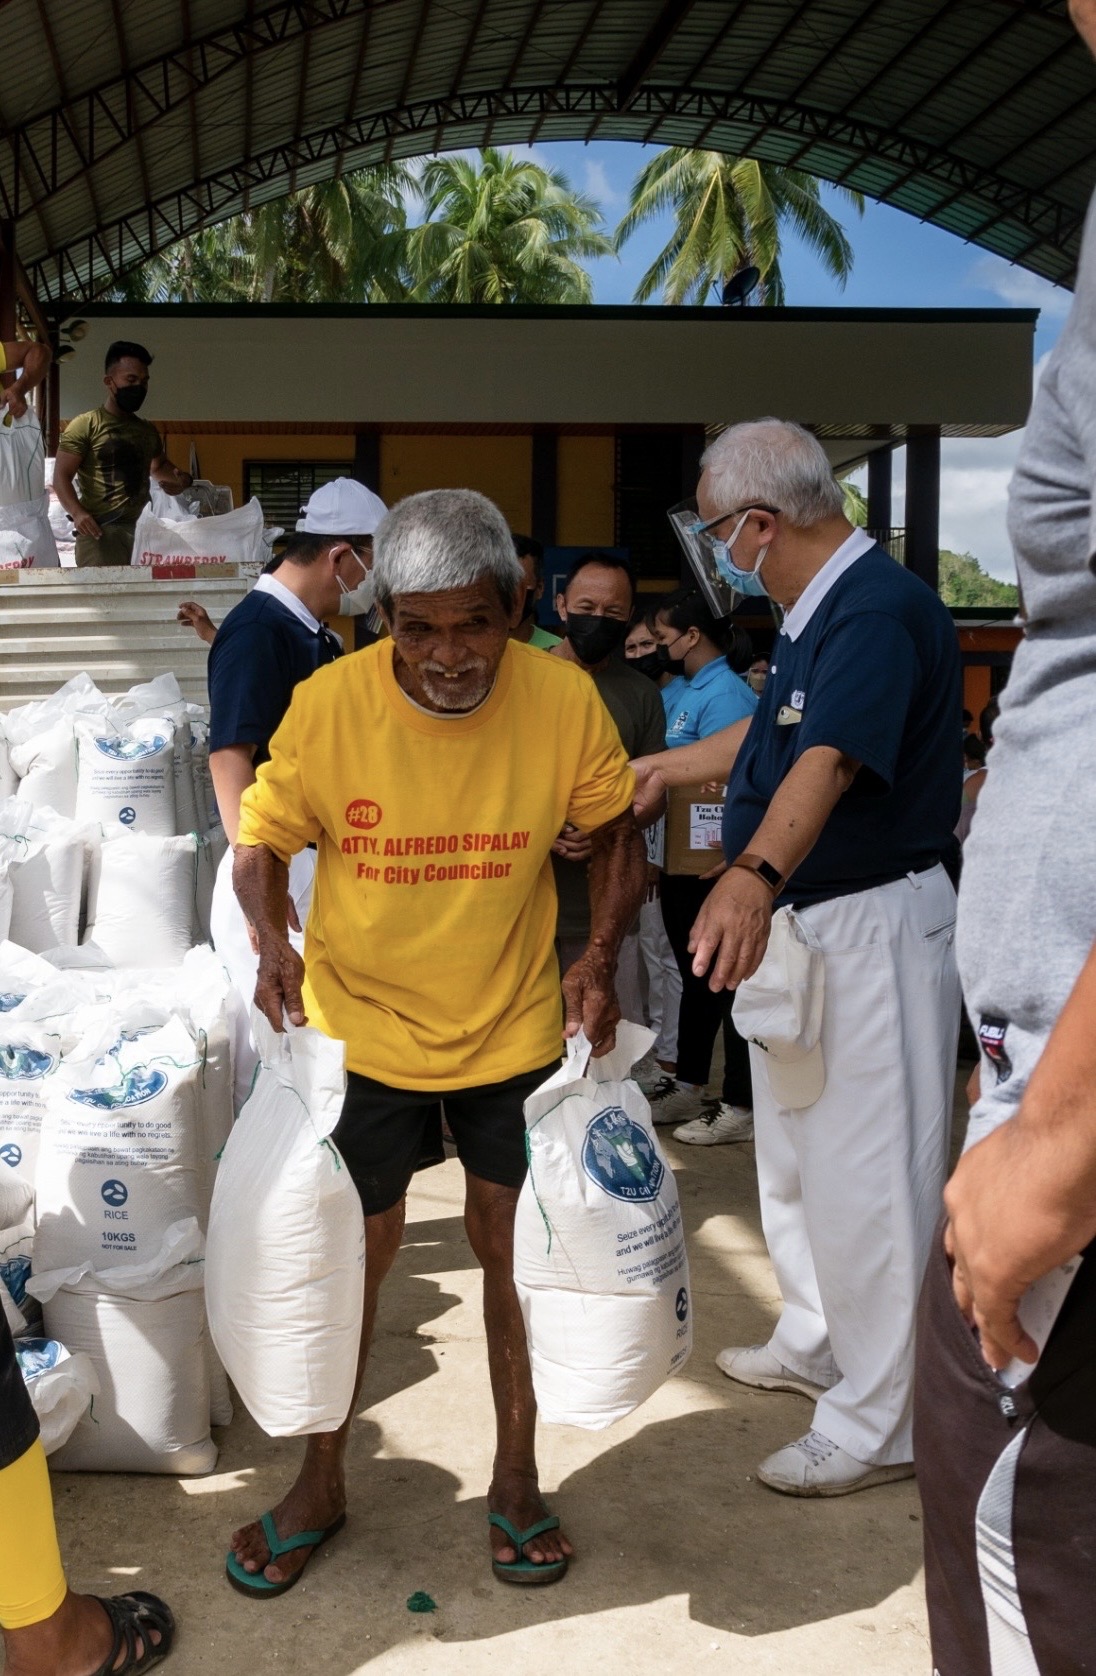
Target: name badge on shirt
point(787, 717)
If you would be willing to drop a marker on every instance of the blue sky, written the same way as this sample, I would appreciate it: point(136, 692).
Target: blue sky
point(900, 263)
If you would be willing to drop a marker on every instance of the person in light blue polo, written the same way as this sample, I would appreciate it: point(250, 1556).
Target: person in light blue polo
point(704, 696)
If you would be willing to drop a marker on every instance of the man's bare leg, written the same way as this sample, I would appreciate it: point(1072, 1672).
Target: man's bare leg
point(489, 1218)
point(318, 1496)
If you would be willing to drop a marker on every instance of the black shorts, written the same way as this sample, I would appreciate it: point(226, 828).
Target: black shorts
point(386, 1134)
point(18, 1421)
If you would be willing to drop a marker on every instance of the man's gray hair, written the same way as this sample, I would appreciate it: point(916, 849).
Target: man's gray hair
point(773, 461)
point(444, 538)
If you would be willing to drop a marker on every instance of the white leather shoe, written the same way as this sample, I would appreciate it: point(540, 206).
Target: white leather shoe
point(815, 1466)
point(671, 1103)
point(757, 1366)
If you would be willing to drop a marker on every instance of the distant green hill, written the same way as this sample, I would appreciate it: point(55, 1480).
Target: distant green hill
point(964, 582)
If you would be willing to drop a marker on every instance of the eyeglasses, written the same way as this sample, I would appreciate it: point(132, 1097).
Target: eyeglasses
point(701, 528)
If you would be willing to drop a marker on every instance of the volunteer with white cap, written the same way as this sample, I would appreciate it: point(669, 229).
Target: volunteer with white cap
point(842, 796)
point(272, 640)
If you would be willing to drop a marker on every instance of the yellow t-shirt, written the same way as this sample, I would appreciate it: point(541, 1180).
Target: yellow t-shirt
point(429, 947)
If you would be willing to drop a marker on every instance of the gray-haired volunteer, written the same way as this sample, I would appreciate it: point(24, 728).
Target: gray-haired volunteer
point(268, 643)
point(844, 790)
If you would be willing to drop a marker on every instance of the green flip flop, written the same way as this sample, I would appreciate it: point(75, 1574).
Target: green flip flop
point(522, 1570)
point(253, 1582)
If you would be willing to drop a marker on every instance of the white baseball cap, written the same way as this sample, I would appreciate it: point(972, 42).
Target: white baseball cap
point(342, 507)
point(779, 1009)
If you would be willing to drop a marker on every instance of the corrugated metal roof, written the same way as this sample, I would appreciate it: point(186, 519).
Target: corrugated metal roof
point(127, 123)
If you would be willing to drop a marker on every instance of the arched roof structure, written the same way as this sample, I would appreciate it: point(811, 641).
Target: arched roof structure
point(126, 124)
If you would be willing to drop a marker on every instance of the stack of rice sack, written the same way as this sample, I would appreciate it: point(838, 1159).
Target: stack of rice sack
point(125, 784)
point(115, 1102)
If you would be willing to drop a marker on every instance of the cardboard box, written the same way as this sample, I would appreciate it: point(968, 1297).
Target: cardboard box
point(694, 824)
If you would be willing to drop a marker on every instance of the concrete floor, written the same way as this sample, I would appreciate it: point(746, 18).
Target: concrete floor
point(686, 1562)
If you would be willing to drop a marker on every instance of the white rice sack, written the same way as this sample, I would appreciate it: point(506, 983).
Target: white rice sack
point(120, 1156)
point(126, 775)
point(78, 696)
point(16, 551)
point(205, 799)
point(286, 1246)
point(30, 521)
point(599, 1250)
point(46, 859)
point(61, 1387)
point(30, 1059)
point(21, 974)
point(46, 764)
point(7, 897)
point(231, 538)
point(186, 807)
point(22, 459)
point(141, 899)
point(149, 1355)
point(16, 1194)
point(9, 779)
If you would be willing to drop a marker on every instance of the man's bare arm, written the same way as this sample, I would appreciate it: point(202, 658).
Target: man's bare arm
point(32, 360)
point(686, 765)
point(171, 478)
point(232, 769)
point(617, 877)
point(261, 882)
point(65, 468)
point(1024, 1199)
point(733, 924)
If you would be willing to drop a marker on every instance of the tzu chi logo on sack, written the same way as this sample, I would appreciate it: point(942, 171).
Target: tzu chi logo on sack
point(363, 813)
point(619, 1156)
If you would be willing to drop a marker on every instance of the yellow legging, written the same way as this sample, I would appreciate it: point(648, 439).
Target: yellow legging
point(32, 1583)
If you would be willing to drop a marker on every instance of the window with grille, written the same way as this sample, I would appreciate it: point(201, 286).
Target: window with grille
point(283, 486)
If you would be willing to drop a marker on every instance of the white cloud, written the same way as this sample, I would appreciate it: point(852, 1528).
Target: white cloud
point(599, 186)
point(1019, 287)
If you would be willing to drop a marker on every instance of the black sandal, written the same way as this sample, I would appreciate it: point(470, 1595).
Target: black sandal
point(133, 1618)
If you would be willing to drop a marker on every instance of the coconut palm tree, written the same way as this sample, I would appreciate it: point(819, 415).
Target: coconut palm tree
point(730, 213)
point(502, 230)
point(338, 241)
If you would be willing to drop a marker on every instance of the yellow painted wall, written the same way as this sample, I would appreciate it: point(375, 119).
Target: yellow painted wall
point(222, 457)
point(585, 503)
point(498, 466)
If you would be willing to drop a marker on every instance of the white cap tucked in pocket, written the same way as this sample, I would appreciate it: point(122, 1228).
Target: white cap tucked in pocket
point(779, 1009)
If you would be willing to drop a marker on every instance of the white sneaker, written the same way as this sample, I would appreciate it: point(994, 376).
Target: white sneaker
point(717, 1125)
point(670, 1103)
point(815, 1466)
point(648, 1073)
point(757, 1366)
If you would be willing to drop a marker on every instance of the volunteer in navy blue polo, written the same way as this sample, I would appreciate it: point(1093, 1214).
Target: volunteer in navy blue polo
point(842, 795)
point(265, 645)
point(865, 663)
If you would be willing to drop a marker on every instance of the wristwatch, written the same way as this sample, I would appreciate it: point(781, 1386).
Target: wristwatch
point(764, 870)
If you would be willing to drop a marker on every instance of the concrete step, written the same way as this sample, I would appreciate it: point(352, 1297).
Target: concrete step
point(118, 627)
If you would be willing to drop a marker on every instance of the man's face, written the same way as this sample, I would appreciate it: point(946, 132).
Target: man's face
point(531, 584)
point(450, 644)
point(126, 373)
point(597, 591)
point(1083, 13)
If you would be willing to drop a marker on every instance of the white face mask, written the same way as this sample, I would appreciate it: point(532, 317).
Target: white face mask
point(355, 602)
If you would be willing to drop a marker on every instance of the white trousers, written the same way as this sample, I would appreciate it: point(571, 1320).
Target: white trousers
point(228, 934)
point(850, 1187)
point(648, 982)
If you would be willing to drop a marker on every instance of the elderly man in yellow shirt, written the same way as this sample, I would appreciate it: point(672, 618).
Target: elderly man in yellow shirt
point(429, 945)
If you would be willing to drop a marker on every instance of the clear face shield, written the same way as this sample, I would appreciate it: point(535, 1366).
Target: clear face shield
point(697, 544)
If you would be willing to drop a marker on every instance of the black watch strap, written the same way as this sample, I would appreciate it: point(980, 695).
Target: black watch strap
point(764, 870)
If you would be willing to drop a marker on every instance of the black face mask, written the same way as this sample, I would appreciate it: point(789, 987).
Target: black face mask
point(594, 638)
point(669, 665)
point(649, 663)
point(530, 605)
point(130, 397)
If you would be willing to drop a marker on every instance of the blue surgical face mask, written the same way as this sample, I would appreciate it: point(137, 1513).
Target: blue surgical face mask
point(746, 582)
